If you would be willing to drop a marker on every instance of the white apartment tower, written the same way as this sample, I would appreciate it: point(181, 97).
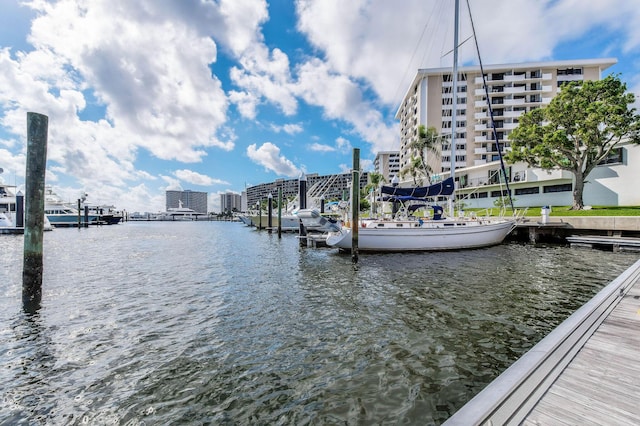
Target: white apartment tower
point(512, 90)
point(387, 163)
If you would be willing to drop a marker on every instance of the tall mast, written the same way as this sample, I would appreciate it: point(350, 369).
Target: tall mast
point(454, 106)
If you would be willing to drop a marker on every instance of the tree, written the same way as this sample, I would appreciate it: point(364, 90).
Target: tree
point(374, 181)
point(427, 141)
point(577, 130)
point(414, 169)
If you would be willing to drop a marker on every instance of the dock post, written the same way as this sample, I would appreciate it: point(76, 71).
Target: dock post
point(19, 210)
point(259, 216)
point(322, 204)
point(302, 196)
point(279, 212)
point(86, 216)
point(355, 204)
point(37, 130)
point(270, 212)
point(79, 214)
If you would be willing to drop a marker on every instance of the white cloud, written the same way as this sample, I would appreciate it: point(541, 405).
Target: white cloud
point(268, 156)
point(343, 145)
point(290, 128)
point(384, 43)
point(197, 178)
point(342, 99)
point(318, 147)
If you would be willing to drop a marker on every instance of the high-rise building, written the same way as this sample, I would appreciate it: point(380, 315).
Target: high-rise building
point(194, 200)
point(328, 187)
point(230, 202)
point(512, 89)
point(387, 163)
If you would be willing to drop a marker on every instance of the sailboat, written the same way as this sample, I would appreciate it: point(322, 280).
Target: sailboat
point(409, 232)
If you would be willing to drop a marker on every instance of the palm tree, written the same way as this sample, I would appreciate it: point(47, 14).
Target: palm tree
point(427, 141)
point(375, 179)
point(414, 169)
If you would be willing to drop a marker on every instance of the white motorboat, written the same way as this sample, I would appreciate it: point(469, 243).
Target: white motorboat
point(179, 213)
point(62, 214)
point(314, 221)
point(410, 233)
point(8, 209)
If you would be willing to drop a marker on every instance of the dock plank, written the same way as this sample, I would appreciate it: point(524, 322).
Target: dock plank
point(600, 385)
point(585, 372)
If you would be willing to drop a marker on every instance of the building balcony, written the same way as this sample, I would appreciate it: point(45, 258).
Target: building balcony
point(519, 77)
point(511, 90)
point(512, 114)
point(547, 76)
point(480, 127)
point(480, 115)
point(481, 139)
point(480, 151)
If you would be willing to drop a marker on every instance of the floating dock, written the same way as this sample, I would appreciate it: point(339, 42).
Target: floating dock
point(599, 241)
point(584, 372)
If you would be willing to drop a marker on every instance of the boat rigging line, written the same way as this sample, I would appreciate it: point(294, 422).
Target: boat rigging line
point(493, 124)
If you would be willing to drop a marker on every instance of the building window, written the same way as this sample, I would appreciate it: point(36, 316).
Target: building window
point(478, 195)
point(528, 191)
point(502, 193)
point(570, 71)
point(567, 187)
point(615, 157)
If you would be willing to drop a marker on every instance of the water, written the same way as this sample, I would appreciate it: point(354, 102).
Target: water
point(216, 323)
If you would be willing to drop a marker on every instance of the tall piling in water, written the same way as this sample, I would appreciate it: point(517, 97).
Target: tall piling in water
point(302, 197)
point(19, 210)
point(279, 212)
point(37, 130)
point(355, 204)
point(270, 212)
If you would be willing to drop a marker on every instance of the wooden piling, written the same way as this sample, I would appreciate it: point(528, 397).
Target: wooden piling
point(19, 210)
point(37, 130)
point(355, 204)
point(279, 212)
point(270, 212)
point(302, 196)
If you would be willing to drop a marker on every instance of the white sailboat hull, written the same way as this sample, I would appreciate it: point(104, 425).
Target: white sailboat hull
point(428, 236)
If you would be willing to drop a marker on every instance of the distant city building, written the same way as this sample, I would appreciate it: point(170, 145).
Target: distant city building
point(387, 163)
point(513, 90)
point(230, 202)
point(194, 200)
point(243, 201)
point(329, 187)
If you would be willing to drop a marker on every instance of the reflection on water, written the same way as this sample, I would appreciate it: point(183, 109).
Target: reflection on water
point(216, 323)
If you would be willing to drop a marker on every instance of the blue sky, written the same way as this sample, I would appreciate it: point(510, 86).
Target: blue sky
point(148, 95)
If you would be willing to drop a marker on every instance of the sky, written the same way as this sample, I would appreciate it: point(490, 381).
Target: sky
point(148, 95)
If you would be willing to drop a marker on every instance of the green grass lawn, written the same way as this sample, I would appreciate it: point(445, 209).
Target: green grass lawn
point(566, 211)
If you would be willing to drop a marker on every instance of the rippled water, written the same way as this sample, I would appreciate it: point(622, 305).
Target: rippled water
point(216, 323)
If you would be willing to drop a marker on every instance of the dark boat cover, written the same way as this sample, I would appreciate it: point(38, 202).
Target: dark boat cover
point(445, 187)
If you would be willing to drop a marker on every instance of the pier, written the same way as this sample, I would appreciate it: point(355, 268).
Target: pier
point(561, 228)
point(584, 372)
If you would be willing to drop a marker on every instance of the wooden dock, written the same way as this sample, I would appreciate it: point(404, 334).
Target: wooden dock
point(585, 372)
point(599, 241)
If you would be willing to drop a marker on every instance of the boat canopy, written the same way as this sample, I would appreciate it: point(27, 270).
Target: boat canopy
point(445, 187)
